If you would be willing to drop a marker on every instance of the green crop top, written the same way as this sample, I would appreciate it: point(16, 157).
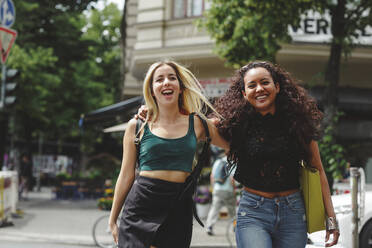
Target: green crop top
point(156, 153)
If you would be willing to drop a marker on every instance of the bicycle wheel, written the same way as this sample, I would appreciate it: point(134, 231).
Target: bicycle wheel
point(102, 234)
point(230, 232)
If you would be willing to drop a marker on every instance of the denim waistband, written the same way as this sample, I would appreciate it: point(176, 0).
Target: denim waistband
point(281, 198)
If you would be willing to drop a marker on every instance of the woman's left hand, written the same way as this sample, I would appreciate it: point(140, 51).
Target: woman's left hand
point(332, 225)
point(336, 235)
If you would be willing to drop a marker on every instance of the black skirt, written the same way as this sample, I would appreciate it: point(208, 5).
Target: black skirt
point(154, 215)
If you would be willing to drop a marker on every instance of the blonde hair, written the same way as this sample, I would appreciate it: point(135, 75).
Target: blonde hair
point(191, 99)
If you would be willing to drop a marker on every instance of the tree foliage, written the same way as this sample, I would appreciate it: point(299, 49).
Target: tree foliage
point(69, 57)
point(246, 30)
point(332, 153)
point(104, 29)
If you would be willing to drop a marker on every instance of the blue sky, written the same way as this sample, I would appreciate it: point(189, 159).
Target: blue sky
point(101, 3)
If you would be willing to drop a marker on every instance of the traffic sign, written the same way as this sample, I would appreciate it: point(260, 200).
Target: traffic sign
point(7, 38)
point(7, 13)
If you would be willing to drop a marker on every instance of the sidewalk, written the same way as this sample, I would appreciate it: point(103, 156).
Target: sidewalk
point(71, 221)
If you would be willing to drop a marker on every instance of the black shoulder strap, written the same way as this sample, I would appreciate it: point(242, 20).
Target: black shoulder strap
point(203, 157)
point(137, 139)
point(206, 129)
point(191, 182)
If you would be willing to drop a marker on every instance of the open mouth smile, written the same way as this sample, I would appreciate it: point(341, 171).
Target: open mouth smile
point(167, 92)
point(261, 97)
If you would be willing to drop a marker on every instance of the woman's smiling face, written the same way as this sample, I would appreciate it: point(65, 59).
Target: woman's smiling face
point(260, 90)
point(165, 85)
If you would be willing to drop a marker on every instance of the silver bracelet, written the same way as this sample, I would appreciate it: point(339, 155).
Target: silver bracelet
point(331, 224)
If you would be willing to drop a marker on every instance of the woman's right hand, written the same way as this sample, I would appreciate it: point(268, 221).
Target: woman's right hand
point(215, 120)
point(142, 113)
point(114, 232)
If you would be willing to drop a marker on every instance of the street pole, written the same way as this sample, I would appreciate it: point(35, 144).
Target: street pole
point(40, 151)
point(3, 115)
point(354, 178)
point(3, 78)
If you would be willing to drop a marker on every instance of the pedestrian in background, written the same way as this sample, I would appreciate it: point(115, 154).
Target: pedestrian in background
point(153, 214)
point(26, 177)
point(223, 191)
point(5, 162)
point(272, 125)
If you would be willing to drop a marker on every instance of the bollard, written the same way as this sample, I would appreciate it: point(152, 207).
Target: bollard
point(5, 198)
point(13, 175)
point(354, 178)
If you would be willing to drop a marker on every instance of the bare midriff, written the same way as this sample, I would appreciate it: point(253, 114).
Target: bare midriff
point(270, 194)
point(166, 175)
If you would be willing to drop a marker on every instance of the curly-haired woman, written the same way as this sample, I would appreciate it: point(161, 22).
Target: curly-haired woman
point(272, 125)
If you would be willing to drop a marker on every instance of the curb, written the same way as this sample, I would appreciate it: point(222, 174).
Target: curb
point(58, 239)
point(73, 239)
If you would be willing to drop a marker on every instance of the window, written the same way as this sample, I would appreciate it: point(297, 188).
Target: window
point(189, 8)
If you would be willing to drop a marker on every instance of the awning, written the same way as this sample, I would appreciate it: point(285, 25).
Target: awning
point(111, 111)
point(116, 128)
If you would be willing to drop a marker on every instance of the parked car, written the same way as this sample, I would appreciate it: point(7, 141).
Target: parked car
point(342, 206)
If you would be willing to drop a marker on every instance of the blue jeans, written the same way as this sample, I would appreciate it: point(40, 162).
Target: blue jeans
point(271, 222)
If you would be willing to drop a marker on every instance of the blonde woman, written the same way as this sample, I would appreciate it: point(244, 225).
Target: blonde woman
point(153, 216)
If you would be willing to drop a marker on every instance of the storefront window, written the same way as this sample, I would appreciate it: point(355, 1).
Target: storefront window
point(189, 8)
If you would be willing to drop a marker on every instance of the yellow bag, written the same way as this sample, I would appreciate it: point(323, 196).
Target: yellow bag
point(313, 199)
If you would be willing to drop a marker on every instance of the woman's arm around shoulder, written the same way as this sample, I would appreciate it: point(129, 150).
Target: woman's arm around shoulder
point(316, 162)
point(126, 176)
point(216, 138)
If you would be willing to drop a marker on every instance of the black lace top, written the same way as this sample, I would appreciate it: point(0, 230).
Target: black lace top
point(269, 155)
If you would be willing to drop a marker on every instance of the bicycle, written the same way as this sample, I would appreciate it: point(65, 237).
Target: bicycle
point(102, 234)
point(230, 232)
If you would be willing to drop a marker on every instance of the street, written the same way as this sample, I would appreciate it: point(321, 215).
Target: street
point(30, 244)
point(47, 222)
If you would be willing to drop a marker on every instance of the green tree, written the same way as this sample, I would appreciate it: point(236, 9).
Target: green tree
point(56, 27)
point(332, 153)
point(70, 63)
point(104, 28)
point(36, 85)
point(249, 30)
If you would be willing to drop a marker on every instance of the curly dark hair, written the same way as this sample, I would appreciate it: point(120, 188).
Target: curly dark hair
point(292, 102)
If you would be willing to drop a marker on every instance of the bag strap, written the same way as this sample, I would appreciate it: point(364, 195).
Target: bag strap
point(191, 181)
point(204, 154)
point(137, 140)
